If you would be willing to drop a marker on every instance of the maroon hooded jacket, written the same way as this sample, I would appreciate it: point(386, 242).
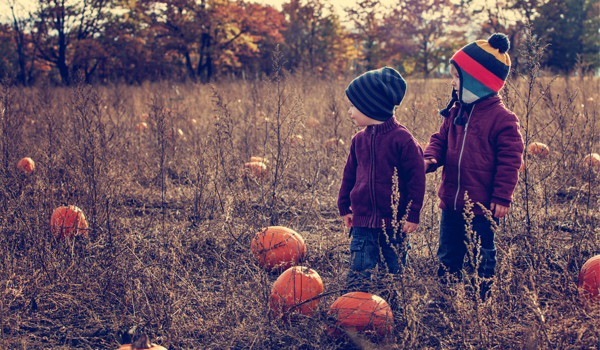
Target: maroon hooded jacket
point(366, 189)
point(482, 157)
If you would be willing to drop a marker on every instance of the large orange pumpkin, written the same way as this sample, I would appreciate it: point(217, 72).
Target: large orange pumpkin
point(142, 344)
point(592, 159)
point(26, 165)
point(363, 312)
point(294, 286)
point(589, 280)
point(67, 222)
point(539, 149)
point(278, 247)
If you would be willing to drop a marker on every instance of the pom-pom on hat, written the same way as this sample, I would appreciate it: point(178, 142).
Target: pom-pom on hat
point(483, 67)
point(376, 93)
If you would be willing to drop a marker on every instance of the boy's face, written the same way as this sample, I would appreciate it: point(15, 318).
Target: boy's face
point(359, 118)
point(455, 79)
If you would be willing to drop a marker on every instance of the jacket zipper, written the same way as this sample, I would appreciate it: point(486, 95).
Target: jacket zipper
point(462, 147)
point(373, 200)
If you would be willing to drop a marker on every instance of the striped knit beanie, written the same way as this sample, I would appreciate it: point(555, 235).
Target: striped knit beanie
point(376, 93)
point(482, 70)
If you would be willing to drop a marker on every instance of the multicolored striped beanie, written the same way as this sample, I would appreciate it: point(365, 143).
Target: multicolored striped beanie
point(376, 93)
point(482, 70)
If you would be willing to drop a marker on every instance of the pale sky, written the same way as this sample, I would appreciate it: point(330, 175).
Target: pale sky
point(23, 6)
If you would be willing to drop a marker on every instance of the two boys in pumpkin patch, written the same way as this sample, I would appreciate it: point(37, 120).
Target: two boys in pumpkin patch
point(478, 144)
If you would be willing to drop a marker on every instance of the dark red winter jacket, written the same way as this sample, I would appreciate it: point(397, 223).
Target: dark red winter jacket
point(482, 157)
point(366, 189)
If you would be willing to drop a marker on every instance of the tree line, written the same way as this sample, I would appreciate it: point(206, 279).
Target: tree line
point(133, 41)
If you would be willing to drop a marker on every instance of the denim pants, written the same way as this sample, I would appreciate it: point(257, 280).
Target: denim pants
point(364, 254)
point(452, 248)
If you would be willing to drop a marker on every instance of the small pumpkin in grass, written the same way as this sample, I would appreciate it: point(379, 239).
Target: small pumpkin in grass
point(592, 159)
point(333, 142)
point(538, 149)
point(296, 140)
point(67, 222)
point(175, 133)
point(313, 123)
point(362, 312)
point(254, 169)
point(278, 247)
point(294, 286)
point(141, 126)
point(589, 281)
point(141, 344)
point(259, 159)
point(26, 165)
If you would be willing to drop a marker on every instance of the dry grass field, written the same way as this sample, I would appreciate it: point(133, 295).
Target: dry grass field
point(171, 218)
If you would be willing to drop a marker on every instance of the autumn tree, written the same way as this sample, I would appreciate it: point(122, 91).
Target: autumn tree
point(572, 30)
point(8, 58)
point(211, 36)
point(64, 34)
point(368, 31)
point(315, 39)
point(426, 32)
point(134, 49)
point(22, 41)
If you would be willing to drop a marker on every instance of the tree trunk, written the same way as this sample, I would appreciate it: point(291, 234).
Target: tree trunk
point(62, 58)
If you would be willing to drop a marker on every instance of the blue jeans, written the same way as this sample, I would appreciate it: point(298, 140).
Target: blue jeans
point(364, 254)
point(452, 248)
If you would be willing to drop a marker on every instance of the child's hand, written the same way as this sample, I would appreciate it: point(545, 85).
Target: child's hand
point(500, 211)
point(429, 162)
point(348, 219)
point(409, 227)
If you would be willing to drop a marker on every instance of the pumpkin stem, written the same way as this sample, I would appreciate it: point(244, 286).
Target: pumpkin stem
point(142, 343)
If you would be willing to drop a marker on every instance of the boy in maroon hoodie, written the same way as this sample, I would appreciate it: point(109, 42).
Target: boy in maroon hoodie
point(365, 196)
point(480, 147)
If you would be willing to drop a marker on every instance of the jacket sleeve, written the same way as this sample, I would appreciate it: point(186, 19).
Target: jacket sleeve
point(348, 180)
point(509, 145)
point(438, 144)
point(413, 175)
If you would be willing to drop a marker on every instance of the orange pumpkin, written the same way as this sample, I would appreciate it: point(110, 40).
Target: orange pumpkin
point(297, 140)
point(142, 344)
point(592, 159)
point(278, 247)
point(332, 142)
point(175, 133)
point(313, 123)
point(294, 286)
point(589, 281)
point(26, 165)
point(362, 312)
point(259, 159)
point(539, 149)
point(67, 222)
point(255, 169)
point(141, 126)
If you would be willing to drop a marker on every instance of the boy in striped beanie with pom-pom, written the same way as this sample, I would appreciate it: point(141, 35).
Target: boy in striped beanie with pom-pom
point(480, 147)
